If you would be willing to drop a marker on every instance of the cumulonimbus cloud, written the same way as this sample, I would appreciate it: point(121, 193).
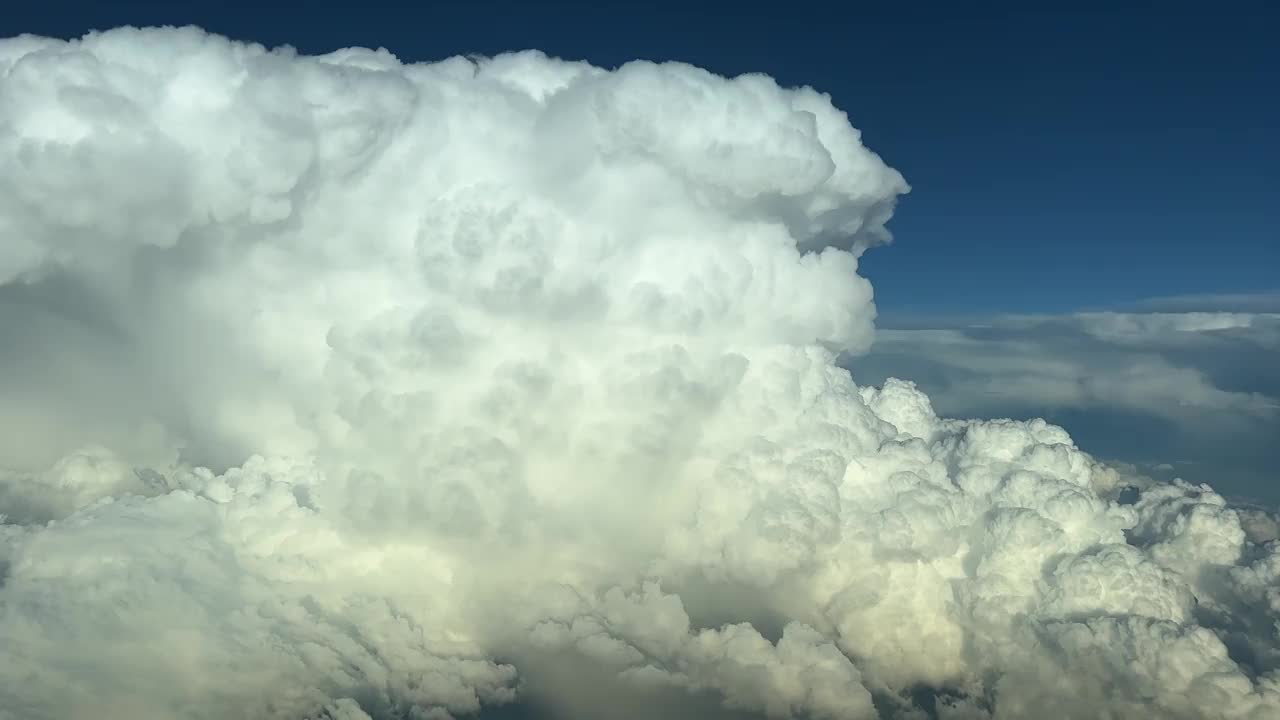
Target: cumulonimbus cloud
point(336, 387)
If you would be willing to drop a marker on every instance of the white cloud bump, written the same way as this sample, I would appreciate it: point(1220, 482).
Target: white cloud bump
point(341, 388)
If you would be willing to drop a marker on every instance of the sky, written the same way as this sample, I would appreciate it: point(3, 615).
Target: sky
point(344, 385)
point(1062, 156)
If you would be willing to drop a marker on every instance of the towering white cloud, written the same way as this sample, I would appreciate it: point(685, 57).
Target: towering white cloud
point(341, 388)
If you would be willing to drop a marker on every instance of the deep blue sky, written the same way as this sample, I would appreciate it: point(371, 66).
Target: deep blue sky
point(1065, 156)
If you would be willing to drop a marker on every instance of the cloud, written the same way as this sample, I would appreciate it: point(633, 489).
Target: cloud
point(1259, 302)
point(1192, 393)
point(343, 388)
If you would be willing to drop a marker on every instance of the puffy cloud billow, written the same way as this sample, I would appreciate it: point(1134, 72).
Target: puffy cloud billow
point(336, 387)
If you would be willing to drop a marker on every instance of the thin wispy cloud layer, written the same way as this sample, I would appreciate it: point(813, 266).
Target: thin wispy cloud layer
point(1259, 302)
point(342, 388)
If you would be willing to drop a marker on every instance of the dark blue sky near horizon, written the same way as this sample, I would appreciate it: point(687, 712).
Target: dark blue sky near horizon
point(1062, 156)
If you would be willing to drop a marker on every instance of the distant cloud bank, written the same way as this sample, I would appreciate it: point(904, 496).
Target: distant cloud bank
point(1194, 393)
